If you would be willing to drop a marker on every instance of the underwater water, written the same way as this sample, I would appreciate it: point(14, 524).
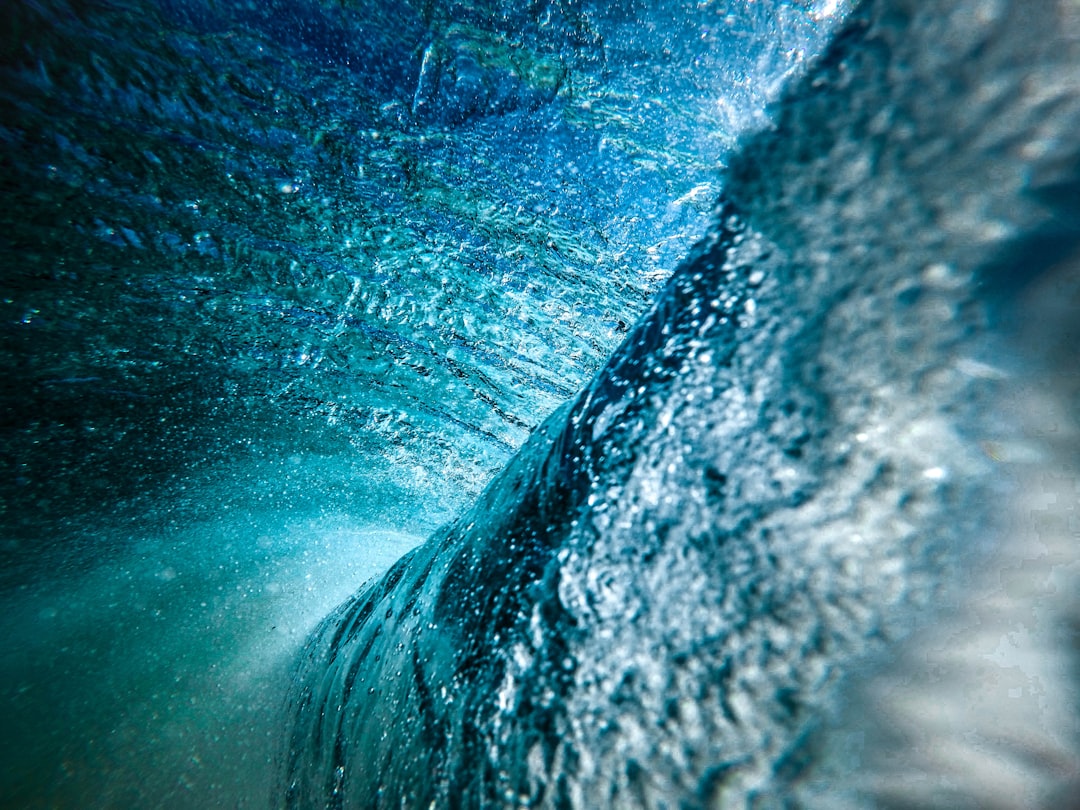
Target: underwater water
point(284, 285)
point(784, 403)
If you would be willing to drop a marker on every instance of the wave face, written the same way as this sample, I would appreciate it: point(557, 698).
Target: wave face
point(283, 284)
point(794, 482)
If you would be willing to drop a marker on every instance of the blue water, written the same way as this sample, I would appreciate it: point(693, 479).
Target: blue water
point(284, 285)
point(287, 284)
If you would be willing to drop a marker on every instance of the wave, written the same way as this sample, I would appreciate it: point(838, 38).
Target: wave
point(713, 578)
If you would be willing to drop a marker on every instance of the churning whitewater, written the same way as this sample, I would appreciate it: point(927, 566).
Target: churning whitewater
point(781, 490)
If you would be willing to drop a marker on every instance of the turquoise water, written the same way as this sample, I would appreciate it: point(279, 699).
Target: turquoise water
point(284, 285)
point(784, 402)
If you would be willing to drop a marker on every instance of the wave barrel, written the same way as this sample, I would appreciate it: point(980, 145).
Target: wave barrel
point(777, 495)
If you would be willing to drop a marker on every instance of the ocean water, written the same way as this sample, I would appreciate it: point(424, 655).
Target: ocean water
point(284, 285)
point(783, 399)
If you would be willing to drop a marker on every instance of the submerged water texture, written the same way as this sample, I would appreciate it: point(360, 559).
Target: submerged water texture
point(808, 538)
point(413, 230)
point(284, 284)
